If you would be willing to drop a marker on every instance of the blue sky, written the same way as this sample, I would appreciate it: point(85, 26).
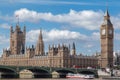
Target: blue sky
point(62, 21)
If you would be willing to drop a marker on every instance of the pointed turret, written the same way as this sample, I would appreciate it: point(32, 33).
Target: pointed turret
point(40, 36)
point(107, 14)
point(22, 49)
point(73, 46)
point(58, 46)
point(24, 29)
point(49, 47)
point(17, 28)
point(73, 49)
point(107, 18)
point(40, 45)
point(69, 47)
point(11, 29)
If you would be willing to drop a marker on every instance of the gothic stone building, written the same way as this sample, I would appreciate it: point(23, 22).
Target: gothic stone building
point(57, 56)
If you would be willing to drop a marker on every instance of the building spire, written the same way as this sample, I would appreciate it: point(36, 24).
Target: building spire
point(107, 13)
point(107, 16)
point(22, 49)
point(73, 49)
point(40, 35)
point(73, 46)
point(11, 29)
point(40, 45)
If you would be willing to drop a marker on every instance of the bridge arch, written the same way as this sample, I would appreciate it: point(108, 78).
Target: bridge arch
point(64, 72)
point(88, 72)
point(39, 72)
point(6, 72)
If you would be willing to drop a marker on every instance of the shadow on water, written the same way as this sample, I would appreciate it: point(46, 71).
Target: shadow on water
point(39, 73)
point(8, 75)
point(42, 75)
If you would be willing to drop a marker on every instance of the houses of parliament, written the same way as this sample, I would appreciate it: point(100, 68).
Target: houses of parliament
point(60, 55)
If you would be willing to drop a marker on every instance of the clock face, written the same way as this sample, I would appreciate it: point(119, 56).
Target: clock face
point(110, 31)
point(103, 32)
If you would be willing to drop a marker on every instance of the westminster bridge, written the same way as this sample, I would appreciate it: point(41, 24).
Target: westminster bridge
point(41, 72)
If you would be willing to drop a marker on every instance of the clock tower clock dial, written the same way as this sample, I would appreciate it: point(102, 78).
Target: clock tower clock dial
point(110, 31)
point(103, 32)
point(107, 34)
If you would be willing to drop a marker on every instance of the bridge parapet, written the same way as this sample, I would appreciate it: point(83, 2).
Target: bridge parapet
point(17, 69)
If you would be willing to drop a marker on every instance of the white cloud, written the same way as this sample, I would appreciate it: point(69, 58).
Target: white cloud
point(87, 19)
point(3, 39)
point(54, 35)
point(32, 16)
point(116, 21)
point(89, 50)
point(117, 36)
point(89, 46)
point(64, 34)
point(92, 39)
point(32, 35)
point(95, 36)
point(5, 26)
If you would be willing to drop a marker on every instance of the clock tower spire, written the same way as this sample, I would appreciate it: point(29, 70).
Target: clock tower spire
point(107, 36)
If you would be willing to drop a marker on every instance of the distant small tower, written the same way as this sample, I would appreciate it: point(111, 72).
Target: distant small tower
point(40, 45)
point(30, 52)
point(73, 49)
point(22, 49)
point(17, 40)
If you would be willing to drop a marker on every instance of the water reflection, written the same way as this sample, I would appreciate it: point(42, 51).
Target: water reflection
point(61, 79)
point(51, 79)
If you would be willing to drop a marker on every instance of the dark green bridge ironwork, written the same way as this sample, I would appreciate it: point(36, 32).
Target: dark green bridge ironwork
point(41, 72)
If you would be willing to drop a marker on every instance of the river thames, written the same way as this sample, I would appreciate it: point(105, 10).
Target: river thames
point(58, 79)
point(50, 79)
point(110, 78)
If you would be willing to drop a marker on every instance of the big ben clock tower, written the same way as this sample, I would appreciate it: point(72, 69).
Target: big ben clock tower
point(107, 36)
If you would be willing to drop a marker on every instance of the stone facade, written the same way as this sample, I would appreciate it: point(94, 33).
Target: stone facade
point(60, 55)
point(57, 56)
point(107, 34)
point(17, 40)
